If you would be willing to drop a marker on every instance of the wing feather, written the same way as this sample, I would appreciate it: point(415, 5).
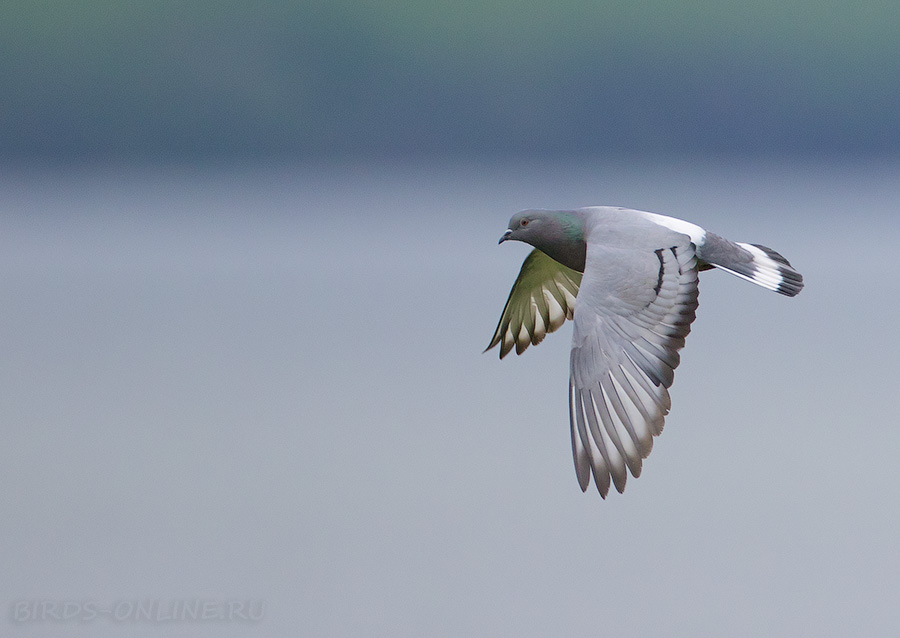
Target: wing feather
point(639, 432)
point(579, 450)
point(541, 300)
point(629, 325)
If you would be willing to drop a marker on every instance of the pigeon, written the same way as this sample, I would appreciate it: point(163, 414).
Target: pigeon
point(628, 280)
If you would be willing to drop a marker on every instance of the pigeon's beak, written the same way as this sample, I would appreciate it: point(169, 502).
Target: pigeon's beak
point(506, 236)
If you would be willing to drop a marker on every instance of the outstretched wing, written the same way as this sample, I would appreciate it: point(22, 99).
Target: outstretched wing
point(634, 311)
point(540, 301)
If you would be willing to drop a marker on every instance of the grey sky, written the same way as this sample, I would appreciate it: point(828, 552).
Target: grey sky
point(268, 384)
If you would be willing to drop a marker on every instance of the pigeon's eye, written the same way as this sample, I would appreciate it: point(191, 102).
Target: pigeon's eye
point(524, 222)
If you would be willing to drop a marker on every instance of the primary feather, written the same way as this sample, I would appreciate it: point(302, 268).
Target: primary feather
point(540, 301)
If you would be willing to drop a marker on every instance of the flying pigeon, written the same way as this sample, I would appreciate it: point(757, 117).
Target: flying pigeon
point(628, 278)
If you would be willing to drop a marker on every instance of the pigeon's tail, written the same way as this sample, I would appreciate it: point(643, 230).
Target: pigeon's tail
point(755, 263)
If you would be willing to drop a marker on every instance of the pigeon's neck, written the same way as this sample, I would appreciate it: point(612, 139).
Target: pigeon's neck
point(564, 239)
point(569, 253)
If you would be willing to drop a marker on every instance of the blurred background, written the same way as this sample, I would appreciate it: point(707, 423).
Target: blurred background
point(248, 264)
point(169, 79)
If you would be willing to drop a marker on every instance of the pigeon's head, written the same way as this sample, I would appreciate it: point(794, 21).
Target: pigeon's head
point(526, 226)
point(545, 227)
point(558, 233)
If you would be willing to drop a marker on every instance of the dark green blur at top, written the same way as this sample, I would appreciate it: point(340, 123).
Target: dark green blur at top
point(339, 77)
